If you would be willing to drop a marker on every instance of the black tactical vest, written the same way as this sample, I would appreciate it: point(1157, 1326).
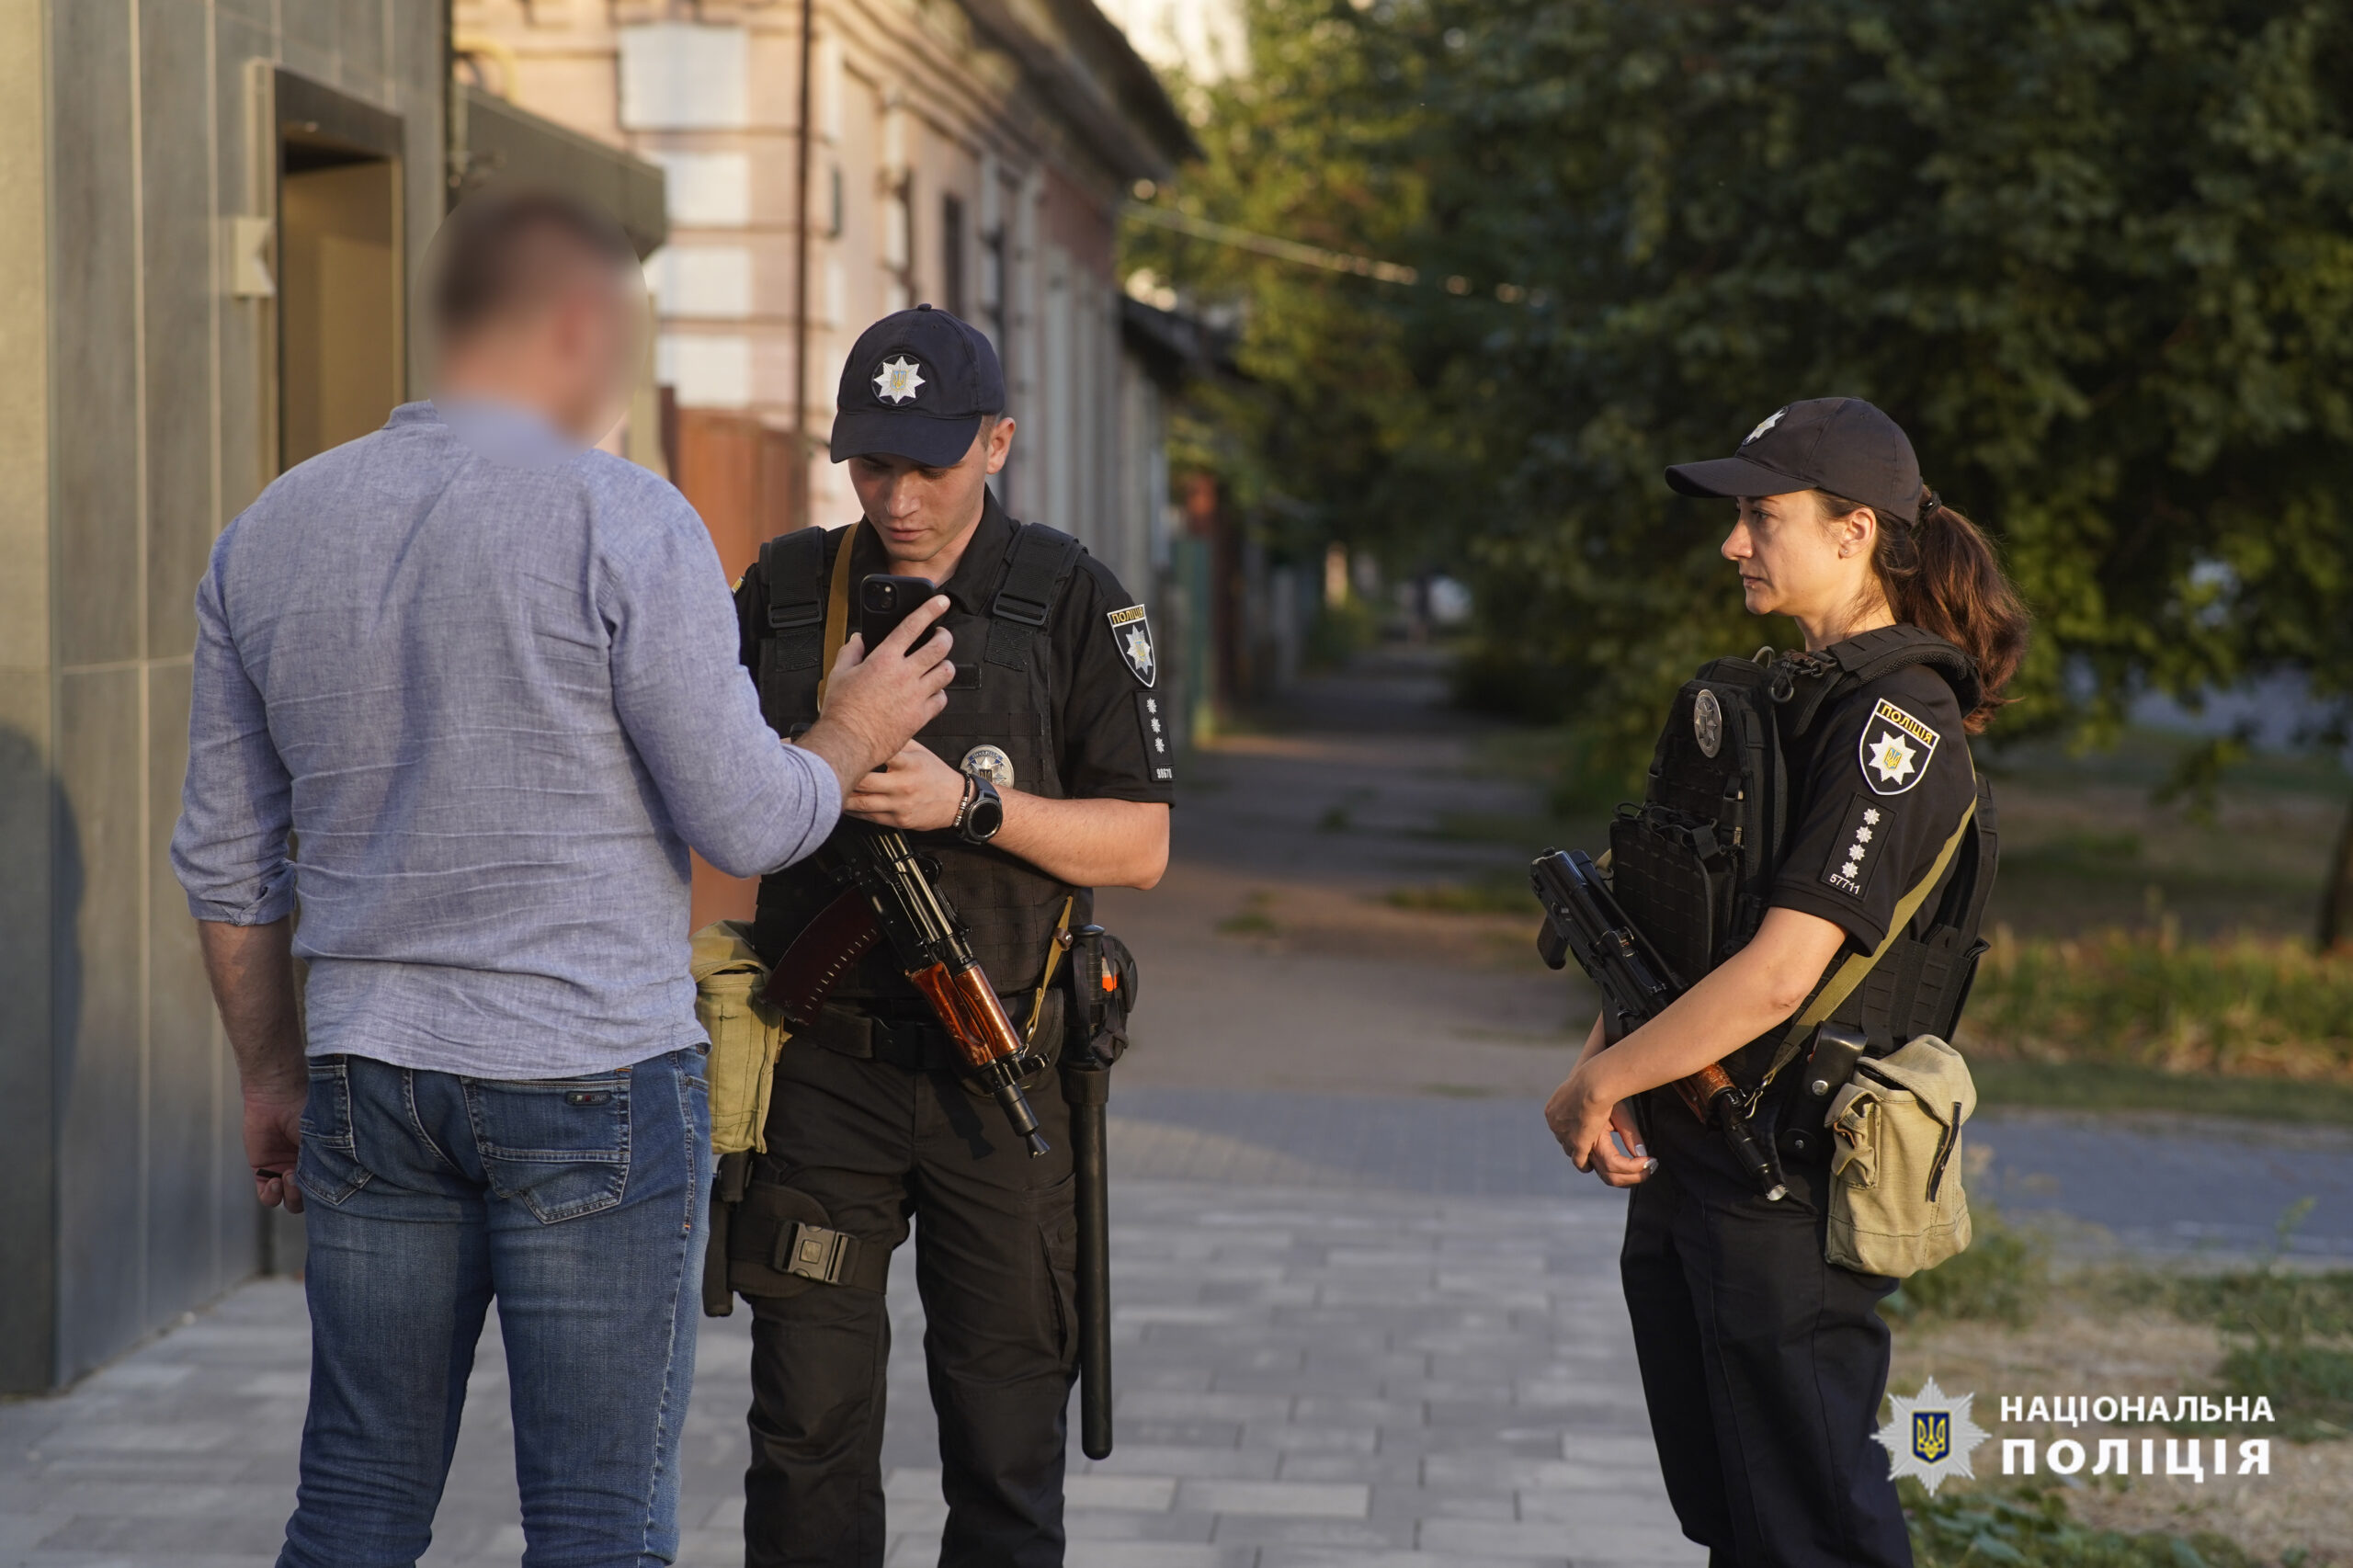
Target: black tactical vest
point(1001, 697)
point(1693, 864)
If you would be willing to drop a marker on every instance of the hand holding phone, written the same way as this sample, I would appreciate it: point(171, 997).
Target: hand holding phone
point(883, 601)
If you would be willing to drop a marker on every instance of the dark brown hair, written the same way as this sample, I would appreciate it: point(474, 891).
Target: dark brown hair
point(503, 248)
point(1941, 574)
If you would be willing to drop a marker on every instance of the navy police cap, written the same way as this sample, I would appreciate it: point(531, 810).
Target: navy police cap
point(915, 386)
point(1842, 444)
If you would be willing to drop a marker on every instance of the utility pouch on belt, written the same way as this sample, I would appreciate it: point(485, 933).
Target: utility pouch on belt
point(746, 1034)
point(1103, 993)
point(1896, 1203)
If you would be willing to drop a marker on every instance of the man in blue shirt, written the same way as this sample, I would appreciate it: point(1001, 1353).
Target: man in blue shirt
point(467, 691)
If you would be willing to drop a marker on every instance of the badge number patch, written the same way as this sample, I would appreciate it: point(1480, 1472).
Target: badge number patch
point(1159, 757)
point(1132, 632)
point(1895, 749)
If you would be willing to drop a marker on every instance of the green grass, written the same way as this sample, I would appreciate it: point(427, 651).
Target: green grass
point(2027, 1528)
point(2249, 1007)
point(2095, 1086)
point(1501, 891)
point(1251, 919)
point(2003, 1277)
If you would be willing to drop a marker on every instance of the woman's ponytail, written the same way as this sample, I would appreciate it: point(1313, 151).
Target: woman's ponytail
point(1941, 575)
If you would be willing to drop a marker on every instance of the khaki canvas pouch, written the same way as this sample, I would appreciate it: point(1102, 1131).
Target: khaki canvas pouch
point(746, 1035)
point(1896, 1204)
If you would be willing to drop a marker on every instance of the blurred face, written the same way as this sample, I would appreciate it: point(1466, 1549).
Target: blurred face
point(924, 513)
point(569, 354)
point(1796, 561)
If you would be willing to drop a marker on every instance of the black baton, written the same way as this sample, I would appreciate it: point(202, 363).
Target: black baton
point(1087, 1091)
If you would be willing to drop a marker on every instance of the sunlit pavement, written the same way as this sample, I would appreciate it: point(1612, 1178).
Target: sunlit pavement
point(1309, 1374)
point(1351, 1330)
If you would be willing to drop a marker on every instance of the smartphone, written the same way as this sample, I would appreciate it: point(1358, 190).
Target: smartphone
point(884, 601)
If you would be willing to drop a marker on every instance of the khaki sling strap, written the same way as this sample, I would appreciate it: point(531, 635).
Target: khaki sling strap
point(1849, 975)
point(837, 610)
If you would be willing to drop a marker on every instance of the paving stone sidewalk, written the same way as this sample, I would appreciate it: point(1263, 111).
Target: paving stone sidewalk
point(1308, 1376)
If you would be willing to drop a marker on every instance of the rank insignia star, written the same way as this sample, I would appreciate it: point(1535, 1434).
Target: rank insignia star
point(898, 379)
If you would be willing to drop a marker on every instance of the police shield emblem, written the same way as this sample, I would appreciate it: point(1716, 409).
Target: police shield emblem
point(1708, 723)
point(991, 764)
point(1132, 633)
point(1931, 1436)
point(1895, 749)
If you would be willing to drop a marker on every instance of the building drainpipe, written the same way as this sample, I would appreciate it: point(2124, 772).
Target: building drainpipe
point(800, 486)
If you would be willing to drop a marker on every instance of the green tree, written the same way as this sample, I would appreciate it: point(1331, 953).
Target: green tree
point(2096, 255)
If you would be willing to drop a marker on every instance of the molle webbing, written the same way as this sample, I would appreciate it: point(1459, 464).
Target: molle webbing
point(1040, 562)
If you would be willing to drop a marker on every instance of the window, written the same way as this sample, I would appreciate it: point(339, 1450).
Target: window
point(952, 254)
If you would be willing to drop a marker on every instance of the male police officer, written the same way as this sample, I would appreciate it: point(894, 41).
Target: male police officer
point(1049, 773)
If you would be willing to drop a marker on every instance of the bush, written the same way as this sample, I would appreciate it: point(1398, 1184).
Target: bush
point(2005, 1276)
point(2267, 1007)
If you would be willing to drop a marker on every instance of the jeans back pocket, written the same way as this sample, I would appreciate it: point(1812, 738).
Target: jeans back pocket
point(559, 1146)
point(327, 1165)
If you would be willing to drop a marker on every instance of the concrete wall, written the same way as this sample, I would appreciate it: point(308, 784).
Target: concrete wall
point(132, 426)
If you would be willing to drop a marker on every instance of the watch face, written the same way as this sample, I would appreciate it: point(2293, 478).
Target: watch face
point(988, 815)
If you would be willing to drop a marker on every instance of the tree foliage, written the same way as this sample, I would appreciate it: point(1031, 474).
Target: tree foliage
point(2095, 256)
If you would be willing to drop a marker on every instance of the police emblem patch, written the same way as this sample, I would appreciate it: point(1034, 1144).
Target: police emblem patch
point(897, 380)
point(1708, 723)
point(989, 763)
point(1895, 749)
point(1931, 1435)
point(1131, 630)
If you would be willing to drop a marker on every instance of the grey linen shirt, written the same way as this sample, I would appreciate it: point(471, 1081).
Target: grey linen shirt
point(488, 684)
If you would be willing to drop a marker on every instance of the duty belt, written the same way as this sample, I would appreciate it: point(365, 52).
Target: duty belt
point(916, 1044)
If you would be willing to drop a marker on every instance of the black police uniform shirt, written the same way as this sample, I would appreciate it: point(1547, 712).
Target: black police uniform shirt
point(1109, 725)
point(1885, 778)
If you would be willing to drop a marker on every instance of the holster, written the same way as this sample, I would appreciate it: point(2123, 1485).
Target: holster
point(780, 1241)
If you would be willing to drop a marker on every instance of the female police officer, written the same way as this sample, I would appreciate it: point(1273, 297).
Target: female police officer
point(1764, 1365)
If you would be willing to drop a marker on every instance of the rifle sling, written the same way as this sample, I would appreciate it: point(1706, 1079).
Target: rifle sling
point(1842, 981)
point(837, 610)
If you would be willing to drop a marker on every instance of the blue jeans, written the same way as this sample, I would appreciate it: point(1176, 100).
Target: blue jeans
point(577, 1203)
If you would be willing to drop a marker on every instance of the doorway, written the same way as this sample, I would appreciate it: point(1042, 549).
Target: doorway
point(341, 340)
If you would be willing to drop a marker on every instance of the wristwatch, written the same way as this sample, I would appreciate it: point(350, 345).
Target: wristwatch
point(982, 813)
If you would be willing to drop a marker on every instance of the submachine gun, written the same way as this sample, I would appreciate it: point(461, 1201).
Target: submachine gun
point(890, 897)
point(1582, 920)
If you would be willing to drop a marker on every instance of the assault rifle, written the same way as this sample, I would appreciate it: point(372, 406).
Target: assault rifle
point(1582, 920)
point(889, 897)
